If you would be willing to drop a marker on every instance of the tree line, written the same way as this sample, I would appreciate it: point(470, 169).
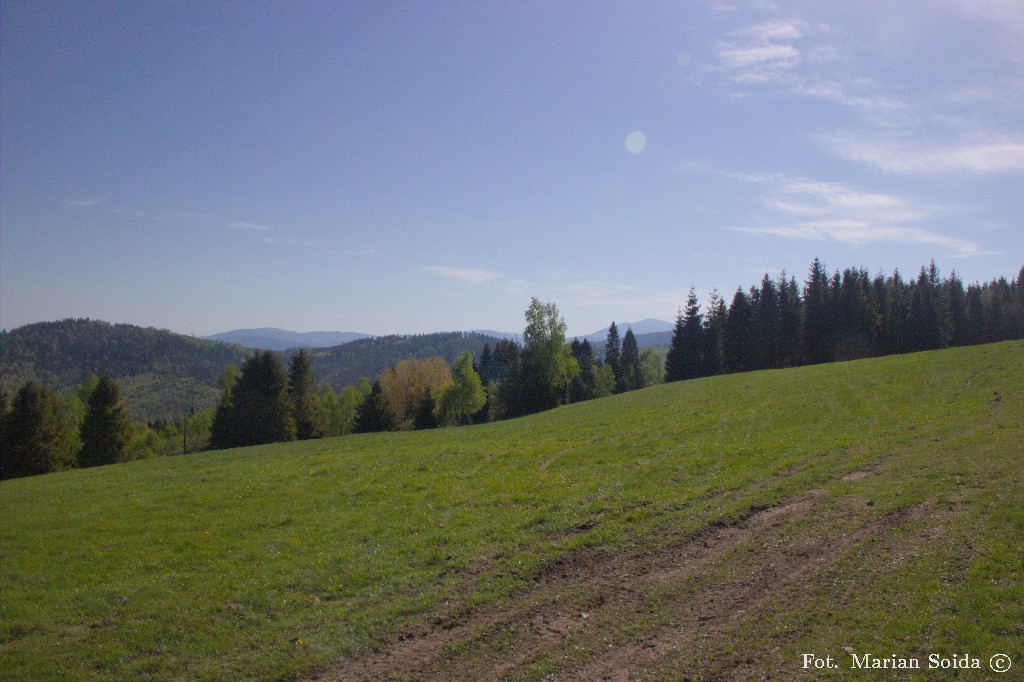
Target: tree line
point(42, 432)
point(838, 316)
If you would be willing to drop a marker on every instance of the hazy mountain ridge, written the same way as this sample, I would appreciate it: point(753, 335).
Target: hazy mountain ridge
point(271, 338)
point(648, 332)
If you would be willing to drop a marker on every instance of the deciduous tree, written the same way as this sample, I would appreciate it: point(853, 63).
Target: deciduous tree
point(465, 396)
point(548, 365)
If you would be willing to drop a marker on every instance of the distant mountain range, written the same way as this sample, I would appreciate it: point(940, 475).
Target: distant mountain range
point(269, 338)
point(649, 332)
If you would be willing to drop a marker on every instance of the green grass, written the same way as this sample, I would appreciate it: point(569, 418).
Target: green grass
point(267, 562)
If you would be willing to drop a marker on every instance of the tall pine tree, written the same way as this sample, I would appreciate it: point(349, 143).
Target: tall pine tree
point(675, 361)
point(36, 438)
point(305, 407)
point(260, 407)
point(106, 431)
point(693, 332)
point(374, 414)
point(713, 334)
point(816, 344)
point(789, 321)
point(613, 352)
point(630, 363)
point(737, 344)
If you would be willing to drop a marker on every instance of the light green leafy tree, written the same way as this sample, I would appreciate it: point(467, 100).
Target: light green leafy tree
point(548, 363)
point(465, 396)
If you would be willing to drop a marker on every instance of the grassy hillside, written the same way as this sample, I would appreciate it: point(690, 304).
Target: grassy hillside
point(715, 528)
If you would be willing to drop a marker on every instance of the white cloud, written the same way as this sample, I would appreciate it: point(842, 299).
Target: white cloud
point(856, 232)
point(467, 275)
point(83, 203)
point(876, 108)
point(901, 156)
point(808, 209)
point(761, 52)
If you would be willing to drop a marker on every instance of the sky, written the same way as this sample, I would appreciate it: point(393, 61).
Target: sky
point(410, 167)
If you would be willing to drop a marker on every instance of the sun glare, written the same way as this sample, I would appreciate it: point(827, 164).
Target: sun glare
point(635, 142)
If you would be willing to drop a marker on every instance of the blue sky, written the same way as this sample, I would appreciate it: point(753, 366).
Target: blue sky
point(413, 167)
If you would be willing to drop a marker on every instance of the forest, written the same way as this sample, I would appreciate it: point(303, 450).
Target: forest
point(843, 315)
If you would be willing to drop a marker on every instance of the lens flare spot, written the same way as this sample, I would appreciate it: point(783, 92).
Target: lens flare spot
point(635, 142)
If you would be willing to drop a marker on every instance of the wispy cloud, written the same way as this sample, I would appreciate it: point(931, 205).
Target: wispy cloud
point(290, 241)
point(83, 203)
point(907, 156)
point(808, 209)
point(467, 275)
point(760, 53)
point(249, 227)
point(796, 55)
point(1007, 15)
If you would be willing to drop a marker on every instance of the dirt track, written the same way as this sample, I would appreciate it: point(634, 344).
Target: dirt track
point(606, 615)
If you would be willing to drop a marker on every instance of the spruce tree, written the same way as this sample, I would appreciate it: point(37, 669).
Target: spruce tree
point(106, 431)
point(766, 326)
point(425, 417)
point(712, 334)
point(487, 364)
point(260, 408)
point(675, 361)
point(925, 333)
point(789, 321)
point(957, 320)
point(374, 414)
point(630, 363)
point(613, 352)
point(582, 386)
point(816, 344)
point(308, 421)
point(36, 437)
point(222, 430)
point(737, 347)
point(693, 331)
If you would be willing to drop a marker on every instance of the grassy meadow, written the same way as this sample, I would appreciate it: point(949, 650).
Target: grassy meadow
point(871, 506)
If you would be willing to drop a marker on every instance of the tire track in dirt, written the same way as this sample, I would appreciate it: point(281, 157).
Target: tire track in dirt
point(604, 579)
point(718, 606)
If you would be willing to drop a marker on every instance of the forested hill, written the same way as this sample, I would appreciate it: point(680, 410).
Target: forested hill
point(163, 375)
point(61, 354)
point(343, 365)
